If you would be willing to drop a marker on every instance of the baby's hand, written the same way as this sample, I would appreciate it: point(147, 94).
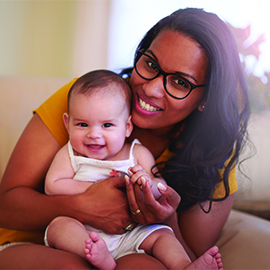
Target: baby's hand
point(139, 175)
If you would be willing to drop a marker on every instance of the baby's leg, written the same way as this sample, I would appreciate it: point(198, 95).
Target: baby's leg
point(70, 235)
point(97, 253)
point(67, 234)
point(164, 246)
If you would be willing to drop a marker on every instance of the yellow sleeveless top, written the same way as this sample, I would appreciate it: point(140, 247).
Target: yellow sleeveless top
point(51, 112)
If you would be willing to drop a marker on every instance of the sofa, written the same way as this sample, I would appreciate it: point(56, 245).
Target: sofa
point(245, 240)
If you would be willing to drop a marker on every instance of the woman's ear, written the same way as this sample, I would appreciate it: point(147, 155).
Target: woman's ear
point(202, 105)
point(65, 118)
point(129, 127)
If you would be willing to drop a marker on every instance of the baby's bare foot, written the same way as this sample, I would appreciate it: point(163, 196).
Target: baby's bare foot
point(211, 259)
point(97, 253)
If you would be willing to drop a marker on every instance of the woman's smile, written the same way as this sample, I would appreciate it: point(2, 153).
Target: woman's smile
point(145, 107)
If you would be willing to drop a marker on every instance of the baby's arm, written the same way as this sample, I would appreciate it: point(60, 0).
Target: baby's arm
point(142, 173)
point(59, 179)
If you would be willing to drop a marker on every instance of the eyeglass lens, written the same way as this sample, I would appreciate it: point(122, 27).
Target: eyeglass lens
point(176, 85)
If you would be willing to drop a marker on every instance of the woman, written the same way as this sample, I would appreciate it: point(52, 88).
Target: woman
point(189, 98)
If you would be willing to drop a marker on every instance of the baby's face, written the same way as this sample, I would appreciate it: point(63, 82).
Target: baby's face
point(99, 124)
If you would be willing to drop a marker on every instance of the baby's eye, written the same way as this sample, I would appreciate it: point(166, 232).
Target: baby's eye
point(106, 125)
point(82, 124)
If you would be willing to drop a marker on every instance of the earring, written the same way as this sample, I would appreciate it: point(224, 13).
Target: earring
point(201, 107)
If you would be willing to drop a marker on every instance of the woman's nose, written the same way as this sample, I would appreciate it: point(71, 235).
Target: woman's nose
point(155, 87)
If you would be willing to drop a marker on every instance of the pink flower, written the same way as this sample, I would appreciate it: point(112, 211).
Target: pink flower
point(114, 173)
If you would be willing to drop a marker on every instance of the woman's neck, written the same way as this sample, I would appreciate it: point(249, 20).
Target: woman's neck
point(155, 140)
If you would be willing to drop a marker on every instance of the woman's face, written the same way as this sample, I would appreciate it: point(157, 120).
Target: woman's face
point(153, 108)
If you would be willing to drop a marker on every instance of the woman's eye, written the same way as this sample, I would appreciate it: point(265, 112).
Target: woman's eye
point(106, 125)
point(152, 65)
point(180, 82)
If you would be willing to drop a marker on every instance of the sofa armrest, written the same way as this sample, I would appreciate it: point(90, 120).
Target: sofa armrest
point(245, 242)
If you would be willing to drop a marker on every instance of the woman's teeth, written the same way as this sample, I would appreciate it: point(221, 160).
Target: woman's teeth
point(147, 107)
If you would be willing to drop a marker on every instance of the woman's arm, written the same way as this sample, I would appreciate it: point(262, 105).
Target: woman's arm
point(23, 204)
point(199, 230)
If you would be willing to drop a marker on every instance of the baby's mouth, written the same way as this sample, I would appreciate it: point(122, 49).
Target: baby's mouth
point(95, 147)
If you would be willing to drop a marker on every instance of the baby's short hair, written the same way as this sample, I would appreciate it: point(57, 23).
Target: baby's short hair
point(97, 80)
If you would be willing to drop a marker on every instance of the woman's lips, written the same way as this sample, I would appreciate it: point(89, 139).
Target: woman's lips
point(145, 107)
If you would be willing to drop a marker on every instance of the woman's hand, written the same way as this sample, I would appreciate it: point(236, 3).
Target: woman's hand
point(104, 206)
point(145, 208)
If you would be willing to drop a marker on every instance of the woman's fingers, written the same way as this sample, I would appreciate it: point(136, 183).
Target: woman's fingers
point(161, 209)
point(130, 193)
point(136, 198)
point(172, 197)
point(157, 210)
point(132, 196)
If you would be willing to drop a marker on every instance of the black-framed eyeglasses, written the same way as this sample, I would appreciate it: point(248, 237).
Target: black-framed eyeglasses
point(175, 85)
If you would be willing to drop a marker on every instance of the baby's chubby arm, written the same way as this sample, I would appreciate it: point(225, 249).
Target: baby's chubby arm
point(59, 179)
point(142, 173)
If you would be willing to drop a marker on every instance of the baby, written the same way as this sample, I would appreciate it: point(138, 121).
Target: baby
point(98, 122)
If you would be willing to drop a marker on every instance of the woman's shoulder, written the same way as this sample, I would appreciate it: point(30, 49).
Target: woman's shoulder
point(58, 97)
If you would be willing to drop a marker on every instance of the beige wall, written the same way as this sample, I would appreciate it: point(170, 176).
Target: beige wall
point(53, 38)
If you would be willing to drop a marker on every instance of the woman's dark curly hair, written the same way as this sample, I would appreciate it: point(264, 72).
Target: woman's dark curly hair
point(217, 135)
